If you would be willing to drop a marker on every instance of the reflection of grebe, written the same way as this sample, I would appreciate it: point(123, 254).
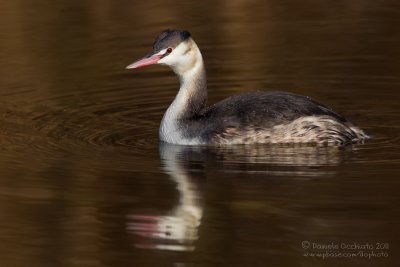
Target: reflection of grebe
point(179, 229)
point(261, 117)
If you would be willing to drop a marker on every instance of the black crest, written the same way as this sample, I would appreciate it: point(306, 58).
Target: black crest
point(169, 38)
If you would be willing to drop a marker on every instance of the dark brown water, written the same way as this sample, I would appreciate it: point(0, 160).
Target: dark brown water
point(85, 182)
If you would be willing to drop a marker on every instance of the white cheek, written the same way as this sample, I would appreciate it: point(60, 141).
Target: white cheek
point(177, 55)
point(171, 59)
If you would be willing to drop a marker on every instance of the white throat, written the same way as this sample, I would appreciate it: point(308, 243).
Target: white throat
point(190, 99)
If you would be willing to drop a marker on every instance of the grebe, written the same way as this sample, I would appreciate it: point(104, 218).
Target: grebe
point(259, 117)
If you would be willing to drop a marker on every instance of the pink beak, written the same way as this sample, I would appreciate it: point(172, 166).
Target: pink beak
point(144, 62)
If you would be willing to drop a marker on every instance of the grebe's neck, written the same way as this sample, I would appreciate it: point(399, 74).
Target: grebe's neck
point(191, 98)
point(192, 95)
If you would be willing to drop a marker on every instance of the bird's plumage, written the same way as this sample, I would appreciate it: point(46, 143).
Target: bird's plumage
point(259, 117)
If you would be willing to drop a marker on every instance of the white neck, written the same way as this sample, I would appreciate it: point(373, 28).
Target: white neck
point(189, 101)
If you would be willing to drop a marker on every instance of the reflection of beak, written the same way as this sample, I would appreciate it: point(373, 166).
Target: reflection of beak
point(145, 62)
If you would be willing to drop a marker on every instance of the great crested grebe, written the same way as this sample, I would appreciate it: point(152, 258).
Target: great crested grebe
point(259, 117)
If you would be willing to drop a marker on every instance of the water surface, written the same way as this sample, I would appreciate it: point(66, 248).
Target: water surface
point(84, 180)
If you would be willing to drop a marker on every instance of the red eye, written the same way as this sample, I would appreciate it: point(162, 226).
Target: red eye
point(169, 50)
